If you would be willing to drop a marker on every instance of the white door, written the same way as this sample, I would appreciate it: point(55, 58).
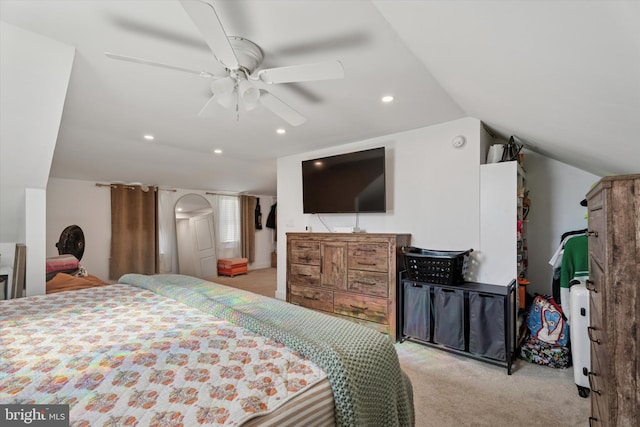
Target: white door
point(204, 246)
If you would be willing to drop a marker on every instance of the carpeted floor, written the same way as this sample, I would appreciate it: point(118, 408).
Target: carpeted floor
point(262, 281)
point(451, 390)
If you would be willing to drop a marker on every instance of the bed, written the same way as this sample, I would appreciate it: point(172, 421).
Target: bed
point(173, 350)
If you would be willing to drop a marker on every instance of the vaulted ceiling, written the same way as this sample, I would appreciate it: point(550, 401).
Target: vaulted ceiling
point(563, 77)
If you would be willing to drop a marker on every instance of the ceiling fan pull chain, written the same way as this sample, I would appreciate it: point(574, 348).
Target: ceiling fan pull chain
point(237, 92)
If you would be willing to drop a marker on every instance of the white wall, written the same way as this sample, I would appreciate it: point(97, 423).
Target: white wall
point(556, 190)
point(88, 206)
point(81, 203)
point(432, 190)
point(34, 76)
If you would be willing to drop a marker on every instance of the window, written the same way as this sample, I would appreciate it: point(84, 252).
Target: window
point(229, 222)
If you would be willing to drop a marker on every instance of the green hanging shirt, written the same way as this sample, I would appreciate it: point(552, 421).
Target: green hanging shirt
point(575, 260)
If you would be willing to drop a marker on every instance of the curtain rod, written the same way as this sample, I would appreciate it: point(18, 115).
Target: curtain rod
point(237, 194)
point(131, 187)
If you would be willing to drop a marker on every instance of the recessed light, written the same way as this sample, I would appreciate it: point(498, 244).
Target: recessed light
point(217, 151)
point(148, 137)
point(387, 98)
point(281, 131)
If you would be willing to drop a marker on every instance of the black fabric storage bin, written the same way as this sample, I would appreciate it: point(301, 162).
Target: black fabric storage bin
point(417, 311)
point(486, 325)
point(448, 312)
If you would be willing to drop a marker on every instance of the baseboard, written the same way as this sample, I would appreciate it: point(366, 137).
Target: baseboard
point(259, 266)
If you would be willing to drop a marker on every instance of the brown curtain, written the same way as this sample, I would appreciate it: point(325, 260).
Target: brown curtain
point(134, 237)
point(248, 227)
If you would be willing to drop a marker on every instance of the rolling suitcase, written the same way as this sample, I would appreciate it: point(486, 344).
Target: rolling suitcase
point(579, 307)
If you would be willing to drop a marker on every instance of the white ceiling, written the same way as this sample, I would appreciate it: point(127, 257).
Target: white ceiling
point(564, 77)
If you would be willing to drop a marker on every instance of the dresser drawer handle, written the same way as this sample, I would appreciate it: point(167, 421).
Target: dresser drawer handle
point(366, 263)
point(314, 298)
point(593, 374)
point(592, 233)
point(360, 282)
point(593, 419)
point(358, 308)
point(590, 284)
point(589, 330)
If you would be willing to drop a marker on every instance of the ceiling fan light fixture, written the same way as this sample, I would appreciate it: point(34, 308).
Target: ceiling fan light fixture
point(223, 86)
point(228, 100)
point(249, 94)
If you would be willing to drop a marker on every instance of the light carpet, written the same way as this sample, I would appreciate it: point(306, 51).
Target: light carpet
point(452, 390)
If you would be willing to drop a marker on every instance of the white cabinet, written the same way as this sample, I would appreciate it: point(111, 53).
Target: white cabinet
point(502, 254)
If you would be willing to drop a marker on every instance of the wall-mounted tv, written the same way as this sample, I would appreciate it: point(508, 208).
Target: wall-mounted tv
point(346, 183)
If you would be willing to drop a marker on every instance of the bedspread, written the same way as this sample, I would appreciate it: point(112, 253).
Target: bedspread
point(369, 387)
point(121, 355)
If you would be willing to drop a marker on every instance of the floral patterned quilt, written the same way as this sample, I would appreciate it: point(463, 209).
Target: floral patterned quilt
point(122, 355)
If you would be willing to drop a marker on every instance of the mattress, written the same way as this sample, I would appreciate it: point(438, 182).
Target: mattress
point(127, 355)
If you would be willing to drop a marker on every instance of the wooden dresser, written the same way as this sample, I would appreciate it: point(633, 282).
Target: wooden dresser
point(349, 275)
point(614, 285)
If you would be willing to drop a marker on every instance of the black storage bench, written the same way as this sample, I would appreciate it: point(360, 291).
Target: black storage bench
point(477, 320)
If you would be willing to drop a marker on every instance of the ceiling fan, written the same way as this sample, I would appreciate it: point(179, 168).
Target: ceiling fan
point(238, 86)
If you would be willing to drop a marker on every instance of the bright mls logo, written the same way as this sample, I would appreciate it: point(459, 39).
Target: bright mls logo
point(34, 415)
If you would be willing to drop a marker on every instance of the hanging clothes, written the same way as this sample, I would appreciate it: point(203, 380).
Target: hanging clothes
point(575, 264)
point(271, 218)
point(258, 215)
point(556, 263)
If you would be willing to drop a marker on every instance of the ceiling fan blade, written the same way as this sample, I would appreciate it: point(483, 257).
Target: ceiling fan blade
point(158, 64)
point(302, 73)
point(209, 108)
point(206, 19)
point(281, 109)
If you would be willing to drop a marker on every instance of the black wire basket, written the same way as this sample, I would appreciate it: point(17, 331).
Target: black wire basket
point(433, 266)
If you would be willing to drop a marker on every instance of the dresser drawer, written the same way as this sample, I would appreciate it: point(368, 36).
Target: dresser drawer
point(598, 384)
point(315, 298)
point(597, 236)
point(305, 252)
point(361, 307)
point(595, 287)
point(368, 256)
point(305, 257)
point(368, 282)
point(304, 275)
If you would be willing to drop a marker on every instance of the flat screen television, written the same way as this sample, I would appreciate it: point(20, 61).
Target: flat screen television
point(346, 183)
